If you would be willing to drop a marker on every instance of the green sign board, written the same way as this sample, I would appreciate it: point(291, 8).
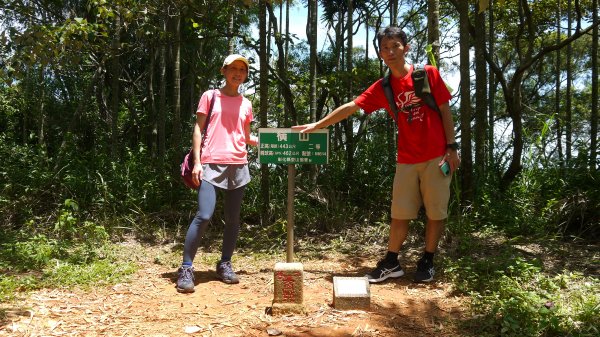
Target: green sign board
point(287, 146)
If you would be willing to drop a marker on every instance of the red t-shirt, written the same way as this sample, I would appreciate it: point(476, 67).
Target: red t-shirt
point(423, 138)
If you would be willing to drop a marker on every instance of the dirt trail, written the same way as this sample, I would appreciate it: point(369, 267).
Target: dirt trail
point(148, 305)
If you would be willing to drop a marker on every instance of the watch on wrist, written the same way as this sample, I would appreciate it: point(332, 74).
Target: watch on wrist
point(452, 146)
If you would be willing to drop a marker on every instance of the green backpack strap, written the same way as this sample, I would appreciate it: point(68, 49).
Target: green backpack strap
point(422, 88)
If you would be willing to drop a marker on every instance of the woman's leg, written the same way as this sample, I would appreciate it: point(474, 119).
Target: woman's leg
point(207, 198)
point(232, 209)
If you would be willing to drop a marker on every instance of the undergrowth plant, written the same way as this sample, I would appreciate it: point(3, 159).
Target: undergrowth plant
point(513, 296)
point(73, 253)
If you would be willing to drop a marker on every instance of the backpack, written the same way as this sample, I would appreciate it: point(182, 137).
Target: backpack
point(422, 90)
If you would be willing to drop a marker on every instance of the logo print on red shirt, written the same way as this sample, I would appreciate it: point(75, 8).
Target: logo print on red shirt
point(410, 103)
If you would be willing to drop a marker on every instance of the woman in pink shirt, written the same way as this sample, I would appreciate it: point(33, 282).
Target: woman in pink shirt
point(221, 165)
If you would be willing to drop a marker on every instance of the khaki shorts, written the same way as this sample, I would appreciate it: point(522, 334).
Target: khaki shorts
point(417, 185)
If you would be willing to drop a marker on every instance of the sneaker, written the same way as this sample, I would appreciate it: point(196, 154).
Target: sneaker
point(425, 271)
point(225, 273)
point(385, 270)
point(185, 280)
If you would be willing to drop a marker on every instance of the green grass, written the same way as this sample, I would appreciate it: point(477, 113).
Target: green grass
point(41, 262)
point(75, 253)
point(512, 294)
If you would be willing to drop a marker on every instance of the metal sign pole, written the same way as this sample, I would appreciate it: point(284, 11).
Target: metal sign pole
point(290, 212)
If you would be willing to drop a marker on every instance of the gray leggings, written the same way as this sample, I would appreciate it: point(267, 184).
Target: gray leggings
point(207, 199)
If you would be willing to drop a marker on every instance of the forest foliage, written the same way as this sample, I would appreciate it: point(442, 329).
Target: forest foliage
point(90, 112)
point(97, 101)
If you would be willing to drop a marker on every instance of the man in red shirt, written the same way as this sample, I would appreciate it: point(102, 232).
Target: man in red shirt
point(425, 142)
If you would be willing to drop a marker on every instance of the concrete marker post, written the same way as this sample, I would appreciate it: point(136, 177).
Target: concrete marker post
point(288, 284)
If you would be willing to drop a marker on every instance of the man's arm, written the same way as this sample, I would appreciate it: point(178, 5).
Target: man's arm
point(340, 113)
point(448, 123)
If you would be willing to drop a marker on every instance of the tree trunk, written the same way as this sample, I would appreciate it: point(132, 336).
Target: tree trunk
point(367, 27)
point(312, 33)
point(162, 96)
point(42, 112)
point(152, 106)
point(557, 101)
point(230, 28)
point(491, 89)
point(115, 71)
point(594, 112)
point(569, 93)
point(481, 102)
point(393, 12)
point(176, 45)
point(313, 27)
point(515, 113)
point(191, 86)
point(264, 104)
point(287, 31)
point(281, 57)
point(465, 105)
point(513, 98)
point(286, 111)
point(284, 83)
point(433, 27)
point(349, 122)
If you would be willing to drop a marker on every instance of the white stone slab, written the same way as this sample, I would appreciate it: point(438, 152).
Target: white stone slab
point(351, 293)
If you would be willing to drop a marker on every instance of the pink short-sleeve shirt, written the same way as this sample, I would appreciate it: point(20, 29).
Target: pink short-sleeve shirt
point(225, 141)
